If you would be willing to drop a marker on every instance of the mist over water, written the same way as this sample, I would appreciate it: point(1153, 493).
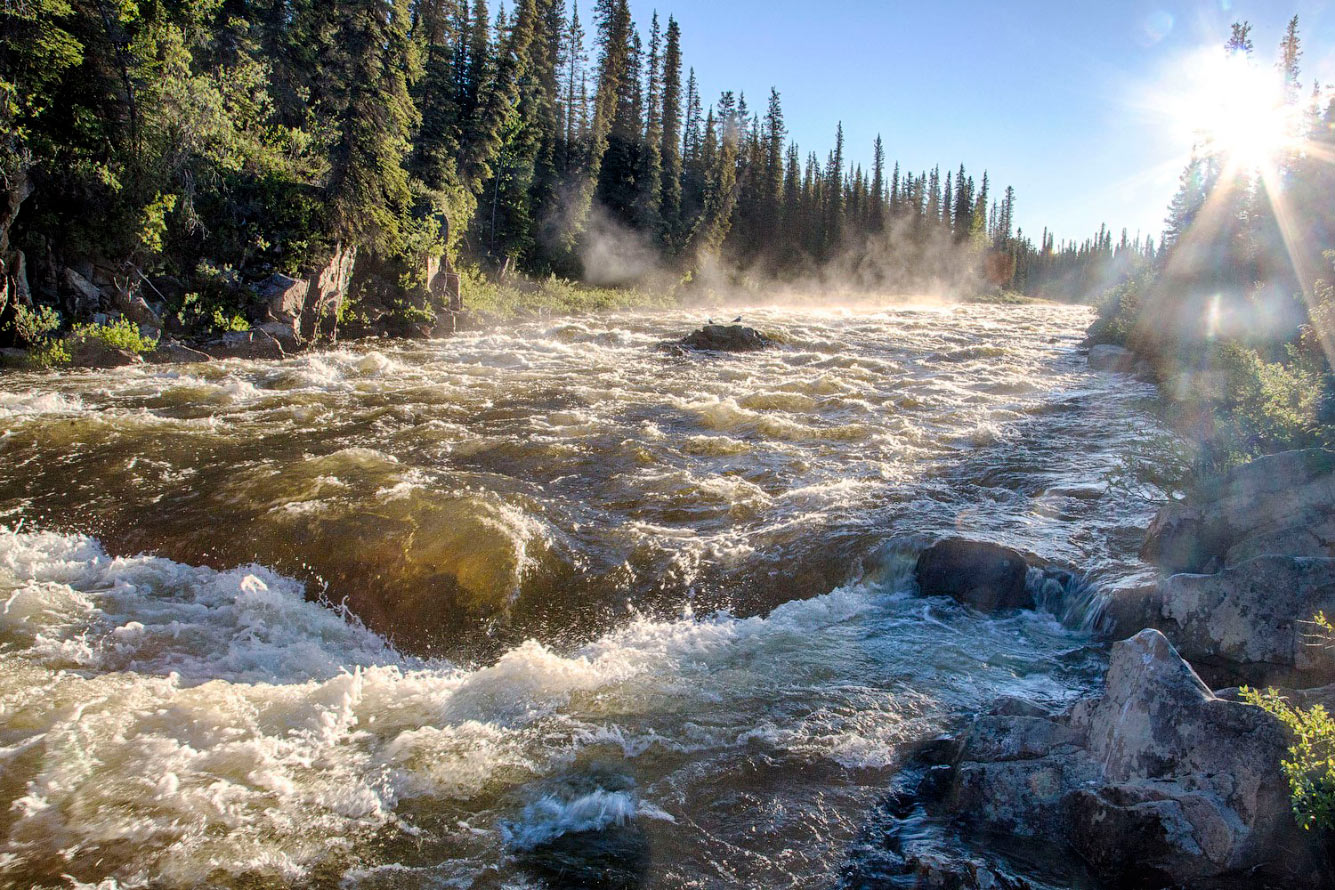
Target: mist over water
point(607, 592)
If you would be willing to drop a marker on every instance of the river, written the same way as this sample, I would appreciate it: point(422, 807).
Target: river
point(542, 606)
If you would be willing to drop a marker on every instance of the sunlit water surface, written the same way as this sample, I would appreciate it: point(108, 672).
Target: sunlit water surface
point(632, 619)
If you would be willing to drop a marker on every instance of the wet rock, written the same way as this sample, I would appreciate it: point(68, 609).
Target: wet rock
point(170, 352)
point(90, 353)
point(986, 576)
point(1278, 504)
point(244, 344)
point(726, 338)
point(1252, 624)
point(1154, 782)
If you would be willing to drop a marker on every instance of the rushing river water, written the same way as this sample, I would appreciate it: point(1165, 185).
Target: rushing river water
point(630, 618)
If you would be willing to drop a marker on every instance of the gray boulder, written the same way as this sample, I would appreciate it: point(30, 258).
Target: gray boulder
point(726, 338)
point(1252, 624)
point(86, 297)
point(136, 309)
point(986, 576)
point(1154, 782)
point(1279, 504)
point(283, 297)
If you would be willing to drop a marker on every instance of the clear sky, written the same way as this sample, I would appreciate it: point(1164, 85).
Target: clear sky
point(1055, 98)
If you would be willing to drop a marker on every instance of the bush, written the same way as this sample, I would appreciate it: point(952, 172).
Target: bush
point(1265, 406)
point(1119, 312)
point(1310, 766)
point(119, 334)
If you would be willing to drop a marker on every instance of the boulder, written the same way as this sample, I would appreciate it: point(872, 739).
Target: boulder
point(726, 338)
point(1252, 624)
point(1279, 504)
point(90, 353)
point(171, 352)
point(283, 297)
point(1154, 782)
point(286, 333)
point(986, 576)
point(244, 344)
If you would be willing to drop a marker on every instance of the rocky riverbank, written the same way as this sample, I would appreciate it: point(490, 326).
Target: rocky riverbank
point(1164, 778)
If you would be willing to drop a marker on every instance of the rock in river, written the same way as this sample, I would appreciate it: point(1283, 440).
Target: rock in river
point(987, 577)
point(726, 338)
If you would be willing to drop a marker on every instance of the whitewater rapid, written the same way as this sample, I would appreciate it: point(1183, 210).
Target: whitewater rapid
point(674, 602)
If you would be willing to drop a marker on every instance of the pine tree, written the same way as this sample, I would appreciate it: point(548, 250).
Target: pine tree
point(670, 145)
point(876, 212)
point(834, 196)
point(368, 186)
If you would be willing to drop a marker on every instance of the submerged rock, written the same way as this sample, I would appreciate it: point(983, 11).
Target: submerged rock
point(1154, 782)
point(1279, 504)
point(726, 338)
point(986, 576)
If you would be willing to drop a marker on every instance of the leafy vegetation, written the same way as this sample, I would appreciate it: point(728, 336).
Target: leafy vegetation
point(1310, 766)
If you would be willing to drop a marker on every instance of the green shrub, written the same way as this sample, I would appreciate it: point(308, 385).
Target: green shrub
point(1264, 406)
point(35, 325)
point(1119, 312)
point(119, 334)
point(1310, 766)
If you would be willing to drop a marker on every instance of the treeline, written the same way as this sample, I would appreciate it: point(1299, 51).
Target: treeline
point(182, 150)
point(1237, 310)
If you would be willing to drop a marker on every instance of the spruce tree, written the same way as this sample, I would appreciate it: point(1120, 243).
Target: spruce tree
point(670, 143)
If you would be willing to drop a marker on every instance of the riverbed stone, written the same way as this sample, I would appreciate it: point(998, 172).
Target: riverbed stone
point(726, 338)
point(1154, 782)
point(986, 576)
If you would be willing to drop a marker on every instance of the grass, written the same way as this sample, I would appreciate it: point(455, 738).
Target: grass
point(523, 298)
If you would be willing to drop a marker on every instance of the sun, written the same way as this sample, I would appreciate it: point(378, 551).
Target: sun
point(1238, 110)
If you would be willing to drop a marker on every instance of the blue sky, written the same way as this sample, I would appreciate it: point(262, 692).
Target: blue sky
point(1051, 97)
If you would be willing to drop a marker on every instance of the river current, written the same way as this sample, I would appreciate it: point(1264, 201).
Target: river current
point(544, 606)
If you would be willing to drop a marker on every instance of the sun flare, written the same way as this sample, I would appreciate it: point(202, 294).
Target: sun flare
point(1238, 108)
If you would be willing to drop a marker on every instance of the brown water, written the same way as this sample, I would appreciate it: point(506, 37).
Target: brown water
point(646, 608)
